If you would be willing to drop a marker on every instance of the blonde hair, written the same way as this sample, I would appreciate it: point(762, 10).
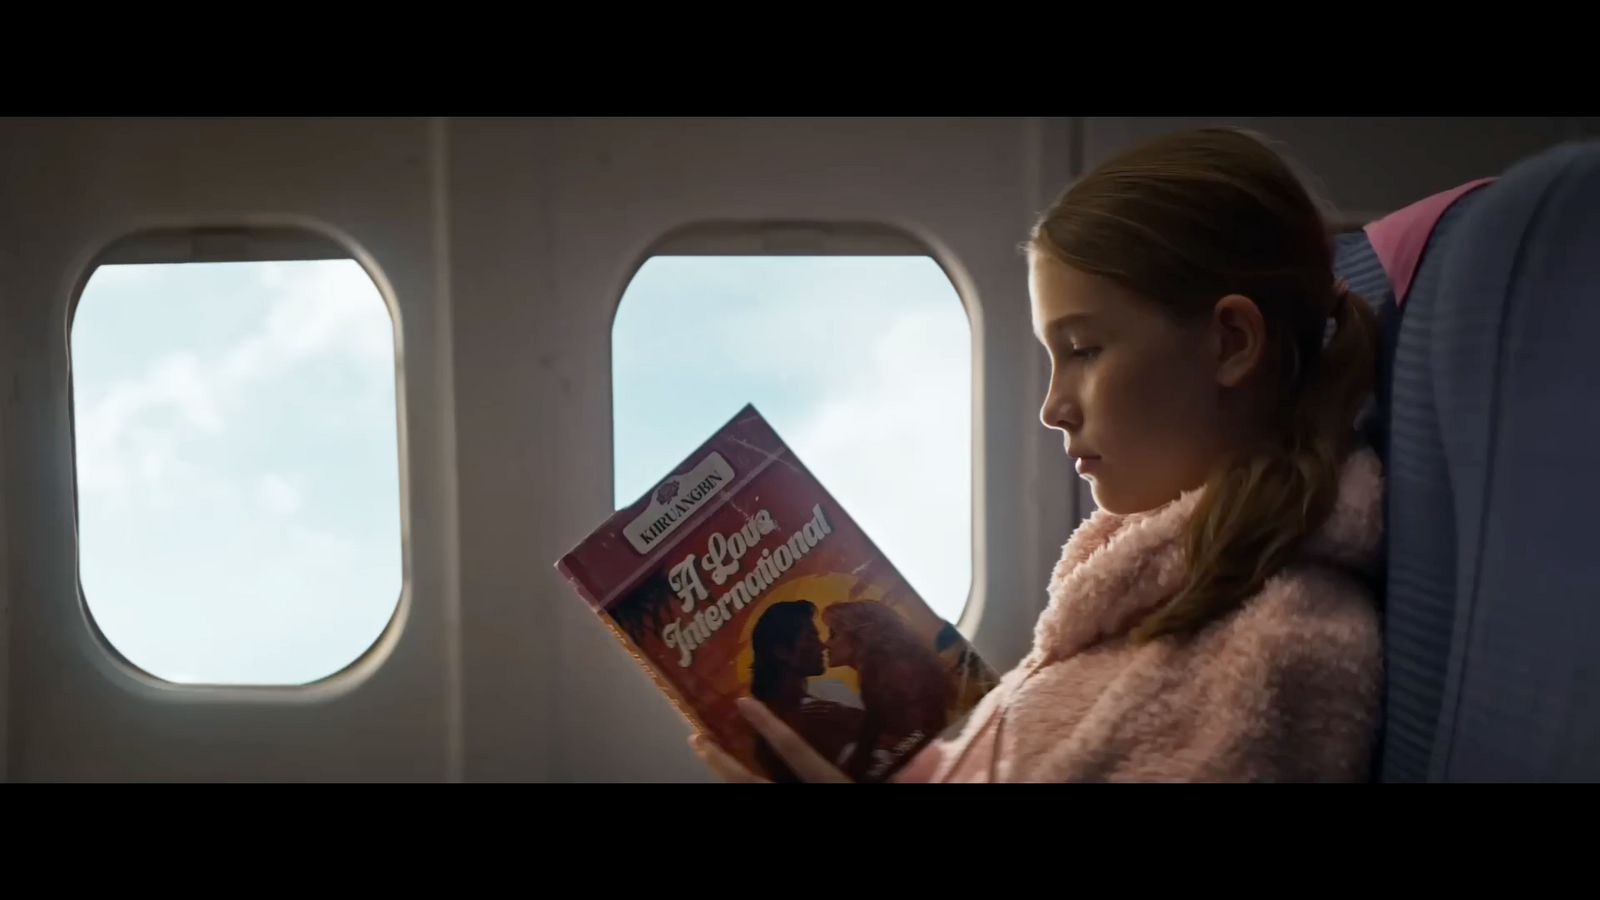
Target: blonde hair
point(889, 652)
point(1183, 221)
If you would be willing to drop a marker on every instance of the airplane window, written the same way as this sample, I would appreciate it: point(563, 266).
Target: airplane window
point(237, 467)
point(862, 363)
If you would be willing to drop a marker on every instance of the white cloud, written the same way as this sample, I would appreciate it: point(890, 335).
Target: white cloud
point(864, 365)
point(895, 450)
point(141, 423)
point(113, 432)
point(278, 495)
point(201, 557)
point(335, 309)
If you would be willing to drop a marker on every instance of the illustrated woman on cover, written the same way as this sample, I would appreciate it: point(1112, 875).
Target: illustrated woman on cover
point(1210, 621)
point(903, 684)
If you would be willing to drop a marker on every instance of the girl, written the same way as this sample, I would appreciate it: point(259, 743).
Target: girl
point(1209, 622)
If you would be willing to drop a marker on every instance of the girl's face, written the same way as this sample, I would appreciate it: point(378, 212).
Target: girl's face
point(1143, 399)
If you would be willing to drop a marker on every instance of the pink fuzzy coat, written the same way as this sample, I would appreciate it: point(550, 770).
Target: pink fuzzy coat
point(1286, 688)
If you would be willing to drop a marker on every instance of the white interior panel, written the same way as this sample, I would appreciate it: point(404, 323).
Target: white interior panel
point(539, 270)
point(73, 188)
point(503, 247)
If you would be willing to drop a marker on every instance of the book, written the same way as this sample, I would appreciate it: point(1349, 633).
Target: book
point(740, 575)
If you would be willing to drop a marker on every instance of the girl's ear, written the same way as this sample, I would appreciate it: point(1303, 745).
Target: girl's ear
point(1240, 338)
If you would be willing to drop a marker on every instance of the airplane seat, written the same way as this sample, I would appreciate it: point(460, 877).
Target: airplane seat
point(1491, 442)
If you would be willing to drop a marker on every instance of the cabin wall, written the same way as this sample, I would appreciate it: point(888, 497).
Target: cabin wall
point(504, 247)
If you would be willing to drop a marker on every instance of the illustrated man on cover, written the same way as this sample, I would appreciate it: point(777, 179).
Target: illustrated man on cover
point(788, 651)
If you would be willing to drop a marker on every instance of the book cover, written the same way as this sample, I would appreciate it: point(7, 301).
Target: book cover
point(740, 575)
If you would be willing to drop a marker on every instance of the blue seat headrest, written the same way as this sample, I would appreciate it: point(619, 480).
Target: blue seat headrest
point(1486, 421)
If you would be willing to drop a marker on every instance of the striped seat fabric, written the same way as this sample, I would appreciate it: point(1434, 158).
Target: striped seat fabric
point(1488, 419)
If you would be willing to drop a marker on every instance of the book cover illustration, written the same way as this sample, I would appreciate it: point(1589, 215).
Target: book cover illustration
point(739, 575)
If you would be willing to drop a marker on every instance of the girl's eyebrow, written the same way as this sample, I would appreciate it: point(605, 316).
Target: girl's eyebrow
point(1062, 323)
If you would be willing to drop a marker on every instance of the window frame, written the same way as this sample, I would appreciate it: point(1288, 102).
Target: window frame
point(233, 243)
point(808, 237)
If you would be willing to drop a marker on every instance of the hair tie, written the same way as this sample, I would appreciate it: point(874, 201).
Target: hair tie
point(1341, 294)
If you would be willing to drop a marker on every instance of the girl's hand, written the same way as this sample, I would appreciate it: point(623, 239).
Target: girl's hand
point(800, 756)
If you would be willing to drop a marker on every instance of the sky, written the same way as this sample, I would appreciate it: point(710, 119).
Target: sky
point(861, 364)
point(238, 467)
point(237, 452)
